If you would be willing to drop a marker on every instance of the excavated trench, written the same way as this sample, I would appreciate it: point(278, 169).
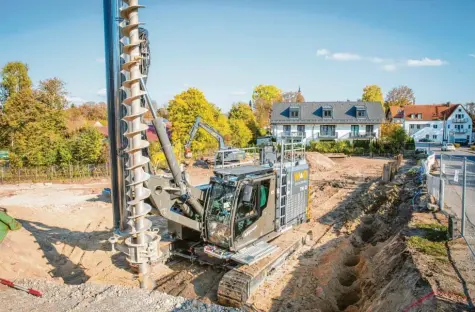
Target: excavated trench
point(369, 270)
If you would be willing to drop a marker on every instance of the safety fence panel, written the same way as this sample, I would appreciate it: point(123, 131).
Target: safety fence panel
point(469, 201)
point(433, 186)
point(452, 174)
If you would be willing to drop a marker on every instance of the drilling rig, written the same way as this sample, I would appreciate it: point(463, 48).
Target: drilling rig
point(246, 219)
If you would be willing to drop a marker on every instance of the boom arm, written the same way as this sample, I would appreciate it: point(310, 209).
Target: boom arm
point(198, 123)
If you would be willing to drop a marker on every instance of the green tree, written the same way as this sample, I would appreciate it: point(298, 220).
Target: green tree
point(242, 135)
point(398, 139)
point(264, 96)
point(52, 93)
point(372, 93)
point(400, 96)
point(14, 79)
point(87, 146)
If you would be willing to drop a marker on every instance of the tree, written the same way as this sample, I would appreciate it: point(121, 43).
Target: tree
point(264, 96)
point(242, 134)
point(398, 139)
point(183, 110)
point(52, 93)
point(400, 96)
point(387, 129)
point(293, 97)
point(14, 79)
point(87, 146)
point(242, 111)
point(372, 93)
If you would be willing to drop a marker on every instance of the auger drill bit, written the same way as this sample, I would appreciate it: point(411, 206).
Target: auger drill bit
point(136, 176)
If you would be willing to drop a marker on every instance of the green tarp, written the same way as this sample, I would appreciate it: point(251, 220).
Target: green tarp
point(7, 223)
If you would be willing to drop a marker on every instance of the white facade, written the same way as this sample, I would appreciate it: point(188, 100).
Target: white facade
point(458, 128)
point(337, 132)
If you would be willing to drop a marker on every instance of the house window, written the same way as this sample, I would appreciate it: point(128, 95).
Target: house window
point(435, 126)
point(327, 113)
point(355, 129)
point(418, 126)
point(448, 126)
point(369, 129)
point(327, 131)
point(294, 112)
point(434, 136)
point(301, 128)
point(427, 136)
point(419, 116)
point(413, 116)
point(286, 128)
point(360, 113)
point(469, 126)
point(411, 126)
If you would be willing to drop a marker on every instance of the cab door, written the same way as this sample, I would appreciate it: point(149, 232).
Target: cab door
point(254, 215)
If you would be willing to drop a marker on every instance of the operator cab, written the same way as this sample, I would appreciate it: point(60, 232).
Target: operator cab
point(240, 205)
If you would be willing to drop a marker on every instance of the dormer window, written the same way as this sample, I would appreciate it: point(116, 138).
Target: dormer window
point(294, 112)
point(360, 112)
point(419, 116)
point(327, 112)
point(413, 116)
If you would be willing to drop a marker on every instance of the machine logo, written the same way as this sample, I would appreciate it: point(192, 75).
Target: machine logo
point(301, 175)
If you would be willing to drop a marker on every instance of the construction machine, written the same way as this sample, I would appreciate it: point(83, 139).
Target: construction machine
point(224, 155)
point(243, 220)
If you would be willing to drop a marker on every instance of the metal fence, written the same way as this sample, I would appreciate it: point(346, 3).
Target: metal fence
point(458, 193)
point(53, 173)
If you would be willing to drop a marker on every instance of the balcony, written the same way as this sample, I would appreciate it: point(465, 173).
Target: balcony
point(366, 135)
point(460, 120)
point(328, 135)
point(293, 134)
point(460, 131)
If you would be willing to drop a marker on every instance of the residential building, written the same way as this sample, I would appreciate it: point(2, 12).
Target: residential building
point(438, 123)
point(323, 121)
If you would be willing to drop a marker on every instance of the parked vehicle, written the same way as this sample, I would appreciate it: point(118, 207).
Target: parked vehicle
point(448, 147)
point(426, 140)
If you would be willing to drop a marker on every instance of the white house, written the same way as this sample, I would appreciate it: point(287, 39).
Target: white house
point(438, 123)
point(324, 121)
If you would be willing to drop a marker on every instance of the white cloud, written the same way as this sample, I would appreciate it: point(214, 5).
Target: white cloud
point(235, 93)
point(376, 60)
point(76, 100)
point(343, 57)
point(322, 52)
point(472, 55)
point(425, 62)
point(101, 59)
point(102, 92)
point(389, 67)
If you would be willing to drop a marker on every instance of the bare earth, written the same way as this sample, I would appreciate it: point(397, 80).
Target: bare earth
point(356, 223)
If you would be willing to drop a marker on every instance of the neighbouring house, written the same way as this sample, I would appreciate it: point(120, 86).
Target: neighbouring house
point(327, 121)
point(437, 123)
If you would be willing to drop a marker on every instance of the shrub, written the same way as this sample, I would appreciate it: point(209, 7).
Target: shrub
point(472, 147)
point(457, 145)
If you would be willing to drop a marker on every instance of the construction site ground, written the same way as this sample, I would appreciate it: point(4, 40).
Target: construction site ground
point(371, 251)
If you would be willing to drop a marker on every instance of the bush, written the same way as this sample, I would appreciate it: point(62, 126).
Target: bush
point(472, 148)
point(331, 147)
point(457, 145)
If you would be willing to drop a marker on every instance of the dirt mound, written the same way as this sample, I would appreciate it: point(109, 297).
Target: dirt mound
point(319, 162)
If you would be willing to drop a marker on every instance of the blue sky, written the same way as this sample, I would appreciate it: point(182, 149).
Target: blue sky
point(331, 48)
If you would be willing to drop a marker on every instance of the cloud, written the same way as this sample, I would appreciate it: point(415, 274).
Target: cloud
point(102, 92)
point(236, 93)
point(75, 100)
point(425, 62)
point(472, 55)
point(101, 59)
point(343, 57)
point(322, 52)
point(389, 67)
point(376, 60)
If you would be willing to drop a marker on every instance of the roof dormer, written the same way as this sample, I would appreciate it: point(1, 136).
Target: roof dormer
point(361, 111)
point(327, 111)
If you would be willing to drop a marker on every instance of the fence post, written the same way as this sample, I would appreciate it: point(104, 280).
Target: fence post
point(464, 194)
point(441, 193)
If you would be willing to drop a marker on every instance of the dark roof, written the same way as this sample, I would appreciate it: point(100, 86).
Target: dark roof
point(312, 112)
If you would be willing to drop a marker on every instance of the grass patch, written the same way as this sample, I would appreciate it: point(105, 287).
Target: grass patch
point(433, 232)
point(428, 247)
point(431, 241)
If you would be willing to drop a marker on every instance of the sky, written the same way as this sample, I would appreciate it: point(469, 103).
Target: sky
point(330, 48)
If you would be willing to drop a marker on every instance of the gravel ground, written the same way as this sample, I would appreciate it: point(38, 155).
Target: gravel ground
point(95, 297)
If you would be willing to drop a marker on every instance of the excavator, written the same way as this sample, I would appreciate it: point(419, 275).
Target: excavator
point(225, 155)
point(247, 219)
